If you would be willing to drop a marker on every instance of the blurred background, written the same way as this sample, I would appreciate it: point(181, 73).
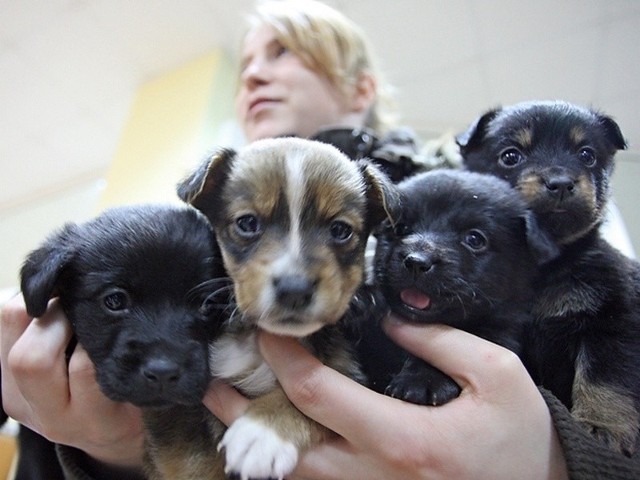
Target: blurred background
point(95, 95)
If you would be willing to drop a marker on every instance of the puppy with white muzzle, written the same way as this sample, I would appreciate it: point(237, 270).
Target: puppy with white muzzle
point(292, 218)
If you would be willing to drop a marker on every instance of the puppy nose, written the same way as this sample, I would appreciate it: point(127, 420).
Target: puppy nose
point(560, 185)
point(418, 263)
point(293, 291)
point(161, 371)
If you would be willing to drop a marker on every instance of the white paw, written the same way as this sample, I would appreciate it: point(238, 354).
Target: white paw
point(253, 450)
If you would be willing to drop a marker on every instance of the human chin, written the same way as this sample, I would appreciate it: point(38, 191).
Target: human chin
point(270, 128)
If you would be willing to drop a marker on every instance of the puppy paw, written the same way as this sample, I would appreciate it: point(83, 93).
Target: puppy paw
point(253, 450)
point(424, 386)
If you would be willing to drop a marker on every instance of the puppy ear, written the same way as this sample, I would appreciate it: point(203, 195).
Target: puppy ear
point(475, 134)
point(543, 248)
point(42, 269)
point(383, 199)
point(613, 132)
point(198, 188)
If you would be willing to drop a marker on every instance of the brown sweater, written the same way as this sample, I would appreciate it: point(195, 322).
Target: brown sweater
point(586, 458)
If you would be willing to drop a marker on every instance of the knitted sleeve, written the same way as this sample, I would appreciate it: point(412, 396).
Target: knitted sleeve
point(586, 458)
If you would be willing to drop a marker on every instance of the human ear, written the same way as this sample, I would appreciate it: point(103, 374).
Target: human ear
point(364, 92)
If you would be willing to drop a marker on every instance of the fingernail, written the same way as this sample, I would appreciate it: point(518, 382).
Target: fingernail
point(392, 321)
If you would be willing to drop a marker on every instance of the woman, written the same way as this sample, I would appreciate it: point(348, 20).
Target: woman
point(307, 71)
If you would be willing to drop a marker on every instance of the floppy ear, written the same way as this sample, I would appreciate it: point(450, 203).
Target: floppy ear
point(613, 132)
point(383, 199)
point(475, 134)
point(541, 245)
point(43, 267)
point(198, 188)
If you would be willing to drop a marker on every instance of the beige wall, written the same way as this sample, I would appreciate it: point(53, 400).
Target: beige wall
point(173, 122)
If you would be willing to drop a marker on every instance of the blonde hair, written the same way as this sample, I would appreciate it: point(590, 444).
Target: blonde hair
point(330, 44)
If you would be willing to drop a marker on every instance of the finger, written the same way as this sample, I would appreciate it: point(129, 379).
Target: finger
point(332, 460)
point(83, 386)
point(225, 402)
point(37, 362)
point(468, 359)
point(13, 322)
point(327, 396)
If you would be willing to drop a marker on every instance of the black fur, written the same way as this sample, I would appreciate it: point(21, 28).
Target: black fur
point(464, 253)
point(585, 343)
point(141, 287)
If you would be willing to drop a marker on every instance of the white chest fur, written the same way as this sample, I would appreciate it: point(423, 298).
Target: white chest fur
point(236, 359)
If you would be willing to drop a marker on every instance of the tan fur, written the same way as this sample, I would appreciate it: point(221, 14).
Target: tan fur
point(177, 464)
point(334, 292)
point(275, 410)
point(608, 414)
point(578, 135)
point(524, 138)
point(532, 187)
point(577, 299)
point(334, 186)
point(181, 454)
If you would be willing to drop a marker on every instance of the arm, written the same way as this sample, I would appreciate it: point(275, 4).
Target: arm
point(499, 427)
point(586, 458)
point(60, 399)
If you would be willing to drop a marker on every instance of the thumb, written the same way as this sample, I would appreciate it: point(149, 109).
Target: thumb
point(466, 358)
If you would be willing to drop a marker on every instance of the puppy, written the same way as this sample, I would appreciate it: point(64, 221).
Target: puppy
point(292, 218)
point(464, 253)
point(138, 285)
point(585, 344)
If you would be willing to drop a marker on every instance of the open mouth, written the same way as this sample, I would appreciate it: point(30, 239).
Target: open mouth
point(415, 299)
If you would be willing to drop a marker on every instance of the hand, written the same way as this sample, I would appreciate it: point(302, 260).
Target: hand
point(62, 402)
point(498, 428)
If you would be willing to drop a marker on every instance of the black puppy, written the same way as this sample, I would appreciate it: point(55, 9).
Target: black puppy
point(138, 285)
point(464, 253)
point(585, 345)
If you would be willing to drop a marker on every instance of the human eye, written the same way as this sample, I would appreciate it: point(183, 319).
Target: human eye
point(278, 50)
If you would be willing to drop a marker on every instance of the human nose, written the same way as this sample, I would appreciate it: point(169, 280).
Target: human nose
point(255, 73)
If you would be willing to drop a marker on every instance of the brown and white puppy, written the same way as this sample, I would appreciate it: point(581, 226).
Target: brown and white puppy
point(292, 218)
point(585, 344)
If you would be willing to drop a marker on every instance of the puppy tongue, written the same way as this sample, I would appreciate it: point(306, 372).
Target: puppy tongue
point(415, 299)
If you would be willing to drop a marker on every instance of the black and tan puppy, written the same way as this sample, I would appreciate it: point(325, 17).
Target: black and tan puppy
point(138, 285)
point(585, 345)
point(292, 218)
point(464, 252)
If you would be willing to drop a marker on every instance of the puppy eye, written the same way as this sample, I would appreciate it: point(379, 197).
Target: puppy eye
point(587, 156)
point(475, 240)
point(247, 226)
point(116, 300)
point(341, 231)
point(510, 157)
point(401, 229)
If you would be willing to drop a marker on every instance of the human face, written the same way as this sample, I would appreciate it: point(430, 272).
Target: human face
point(279, 95)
